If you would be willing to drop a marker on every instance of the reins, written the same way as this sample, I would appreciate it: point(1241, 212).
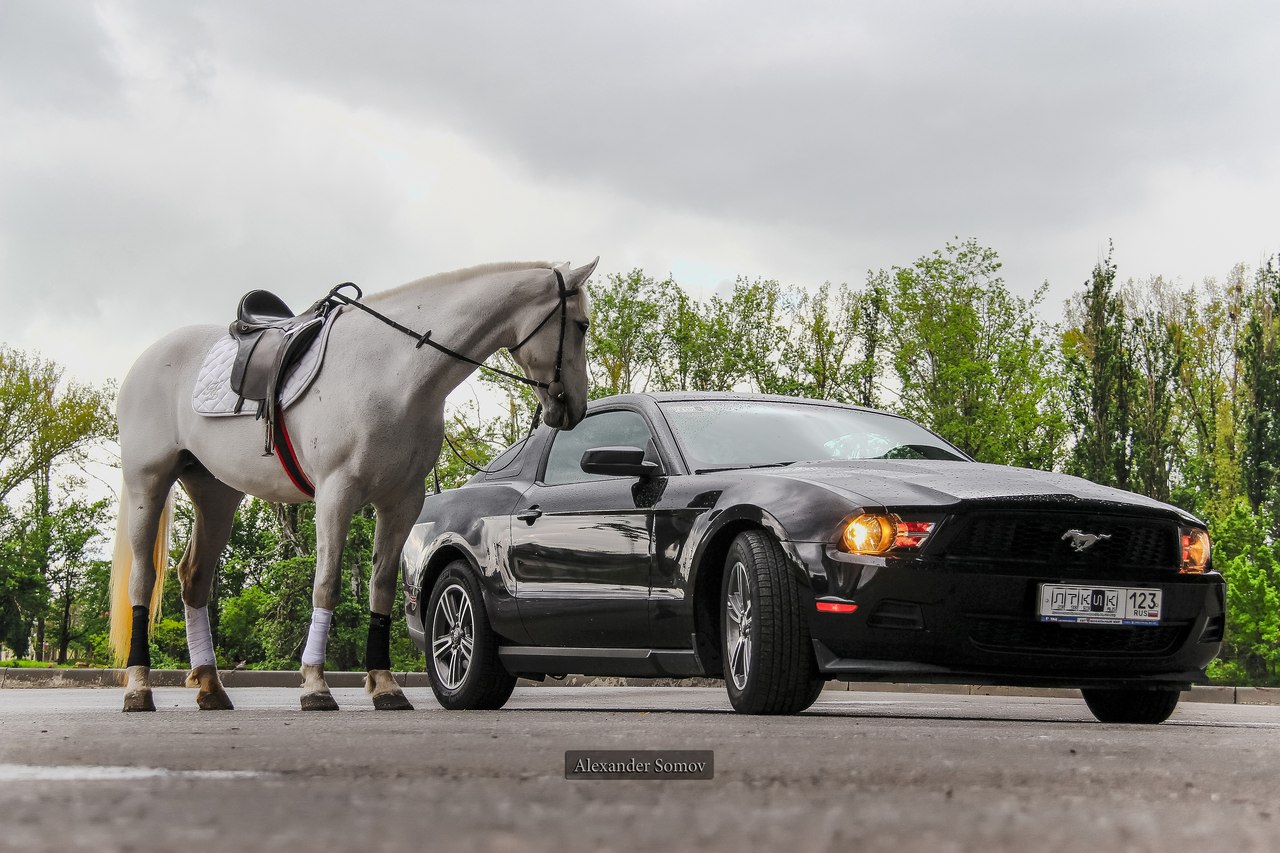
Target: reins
point(337, 296)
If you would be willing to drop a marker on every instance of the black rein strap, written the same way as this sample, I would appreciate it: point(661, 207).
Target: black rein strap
point(336, 295)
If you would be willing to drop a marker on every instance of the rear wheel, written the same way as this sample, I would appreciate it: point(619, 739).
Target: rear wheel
point(768, 657)
point(462, 652)
point(1131, 706)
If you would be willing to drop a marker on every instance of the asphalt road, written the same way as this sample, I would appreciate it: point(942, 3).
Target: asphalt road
point(859, 771)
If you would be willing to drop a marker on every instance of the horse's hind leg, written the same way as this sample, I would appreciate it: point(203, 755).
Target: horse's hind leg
point(394, 523)
point(215, 508)
point(148, 504)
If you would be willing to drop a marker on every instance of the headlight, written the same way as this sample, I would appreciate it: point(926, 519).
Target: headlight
point(876, 533)
point(1195, 550)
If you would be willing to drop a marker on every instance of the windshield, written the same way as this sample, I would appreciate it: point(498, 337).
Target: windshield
point(738, 434)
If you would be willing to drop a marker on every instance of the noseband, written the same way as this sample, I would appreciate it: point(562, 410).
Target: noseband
point(554, 388)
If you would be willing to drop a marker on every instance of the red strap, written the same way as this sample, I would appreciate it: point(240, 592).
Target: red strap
point(289, 458)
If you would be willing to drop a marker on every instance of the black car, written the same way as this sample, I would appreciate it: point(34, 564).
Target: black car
point(780, 543)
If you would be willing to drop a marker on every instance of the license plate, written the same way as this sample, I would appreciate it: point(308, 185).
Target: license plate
point(1099, 605)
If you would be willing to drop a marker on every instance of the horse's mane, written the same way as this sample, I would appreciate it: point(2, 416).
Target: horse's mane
point(454, 276)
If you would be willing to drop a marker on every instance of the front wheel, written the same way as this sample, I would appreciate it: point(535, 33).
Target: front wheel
point(1113, 705)
point(462, 652)
point(768, 656)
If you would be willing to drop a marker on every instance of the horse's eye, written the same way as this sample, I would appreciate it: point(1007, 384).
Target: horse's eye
point(584, 325)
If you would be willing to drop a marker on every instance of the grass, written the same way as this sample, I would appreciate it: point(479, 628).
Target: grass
point(22, 663)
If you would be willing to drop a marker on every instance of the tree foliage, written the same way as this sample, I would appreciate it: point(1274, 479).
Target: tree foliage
point(973, 361)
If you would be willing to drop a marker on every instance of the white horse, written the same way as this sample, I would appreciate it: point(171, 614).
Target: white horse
point(367, 431)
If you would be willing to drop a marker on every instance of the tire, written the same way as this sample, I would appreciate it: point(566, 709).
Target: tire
point(456, 618)
point(1148, 707)
point(768, 657)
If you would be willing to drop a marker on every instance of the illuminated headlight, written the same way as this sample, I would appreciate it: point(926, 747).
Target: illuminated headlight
point(876, 533)
point(1195, 550)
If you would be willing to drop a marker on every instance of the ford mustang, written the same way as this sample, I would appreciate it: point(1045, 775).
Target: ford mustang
point(779, 543)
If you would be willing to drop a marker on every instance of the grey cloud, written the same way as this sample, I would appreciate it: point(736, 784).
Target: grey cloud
point(839, 117)
point(55, 56)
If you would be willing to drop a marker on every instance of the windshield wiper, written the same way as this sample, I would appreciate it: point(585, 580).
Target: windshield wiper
point(743, 467)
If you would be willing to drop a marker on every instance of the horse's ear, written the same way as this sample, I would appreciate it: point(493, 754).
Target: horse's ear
point(576, 278)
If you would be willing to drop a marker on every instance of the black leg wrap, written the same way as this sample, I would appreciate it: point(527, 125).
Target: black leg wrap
point(377, 651)
point(139, 647)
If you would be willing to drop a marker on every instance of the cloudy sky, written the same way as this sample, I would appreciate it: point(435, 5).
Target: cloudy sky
point(157, 159)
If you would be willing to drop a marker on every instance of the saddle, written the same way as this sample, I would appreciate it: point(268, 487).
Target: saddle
point(269, 339)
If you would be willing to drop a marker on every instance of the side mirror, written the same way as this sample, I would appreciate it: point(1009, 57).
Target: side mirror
point(618, 462)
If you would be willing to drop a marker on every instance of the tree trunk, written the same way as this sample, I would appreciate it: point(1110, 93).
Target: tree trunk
point(64, 629)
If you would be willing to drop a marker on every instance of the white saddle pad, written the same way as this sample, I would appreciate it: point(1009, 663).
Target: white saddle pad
point(213, 395)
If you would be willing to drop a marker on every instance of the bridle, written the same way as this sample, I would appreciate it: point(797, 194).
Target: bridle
point(554, 388)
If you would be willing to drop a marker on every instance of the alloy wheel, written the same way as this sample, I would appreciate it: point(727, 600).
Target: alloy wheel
point(452, 636)
point(738, 624)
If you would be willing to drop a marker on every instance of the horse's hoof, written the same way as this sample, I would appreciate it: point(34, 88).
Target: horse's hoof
point(216, 700)
point(139, 700)
point(391, 702)
point(319, 702)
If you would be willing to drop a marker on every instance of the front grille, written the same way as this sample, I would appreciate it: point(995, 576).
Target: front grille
point(1022, 635)
point(1038, 538)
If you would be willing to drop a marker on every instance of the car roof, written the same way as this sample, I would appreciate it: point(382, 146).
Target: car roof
point(724, 396)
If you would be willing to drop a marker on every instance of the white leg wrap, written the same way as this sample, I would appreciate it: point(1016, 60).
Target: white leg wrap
point(317, 637)
point(199, 637)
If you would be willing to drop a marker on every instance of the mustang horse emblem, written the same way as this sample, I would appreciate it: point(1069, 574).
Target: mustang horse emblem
point(1081, 541)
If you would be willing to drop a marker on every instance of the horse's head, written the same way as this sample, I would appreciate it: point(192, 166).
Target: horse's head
point(553, 346)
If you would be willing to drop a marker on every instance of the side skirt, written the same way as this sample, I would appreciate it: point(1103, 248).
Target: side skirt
point(642, 663)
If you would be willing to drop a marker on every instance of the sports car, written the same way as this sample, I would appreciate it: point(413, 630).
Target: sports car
point(779, 543)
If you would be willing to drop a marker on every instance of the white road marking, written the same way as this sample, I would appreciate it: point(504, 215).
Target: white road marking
point(90, 773)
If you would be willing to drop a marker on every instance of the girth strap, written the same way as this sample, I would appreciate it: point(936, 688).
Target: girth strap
point(289, 457)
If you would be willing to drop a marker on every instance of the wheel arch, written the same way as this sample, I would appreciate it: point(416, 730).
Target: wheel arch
point(444, 555)
point(709, 573)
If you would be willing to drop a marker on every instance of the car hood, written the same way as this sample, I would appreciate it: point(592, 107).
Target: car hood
point(923, 483)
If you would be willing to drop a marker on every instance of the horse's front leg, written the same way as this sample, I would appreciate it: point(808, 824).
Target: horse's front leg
point(394, 523)
point(334, 508)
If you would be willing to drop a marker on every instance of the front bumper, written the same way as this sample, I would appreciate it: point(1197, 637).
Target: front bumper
point(967, 622)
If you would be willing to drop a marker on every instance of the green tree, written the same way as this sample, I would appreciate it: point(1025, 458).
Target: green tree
point(24, 593)
point(1099, 374)
point(818, 356)
point(1159, 351)
point(1260, 357)
point(48, 425)
point(697, 350)
point(973, 361)
point(756, 317)
point(75, 530)
point(1210, 396)
point(1245, 553)
point(625, 340)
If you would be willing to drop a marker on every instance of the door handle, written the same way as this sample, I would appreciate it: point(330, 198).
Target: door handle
point(529, 515)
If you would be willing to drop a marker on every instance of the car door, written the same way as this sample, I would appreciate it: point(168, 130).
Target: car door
point(582, 544)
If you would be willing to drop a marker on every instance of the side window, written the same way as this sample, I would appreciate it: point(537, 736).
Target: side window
point(505, 465)
point(607, 429)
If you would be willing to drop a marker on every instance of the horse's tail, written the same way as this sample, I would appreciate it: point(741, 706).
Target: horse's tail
point(122, 566)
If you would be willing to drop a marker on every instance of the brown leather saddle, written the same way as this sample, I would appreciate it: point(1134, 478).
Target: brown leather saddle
point(270, 338)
